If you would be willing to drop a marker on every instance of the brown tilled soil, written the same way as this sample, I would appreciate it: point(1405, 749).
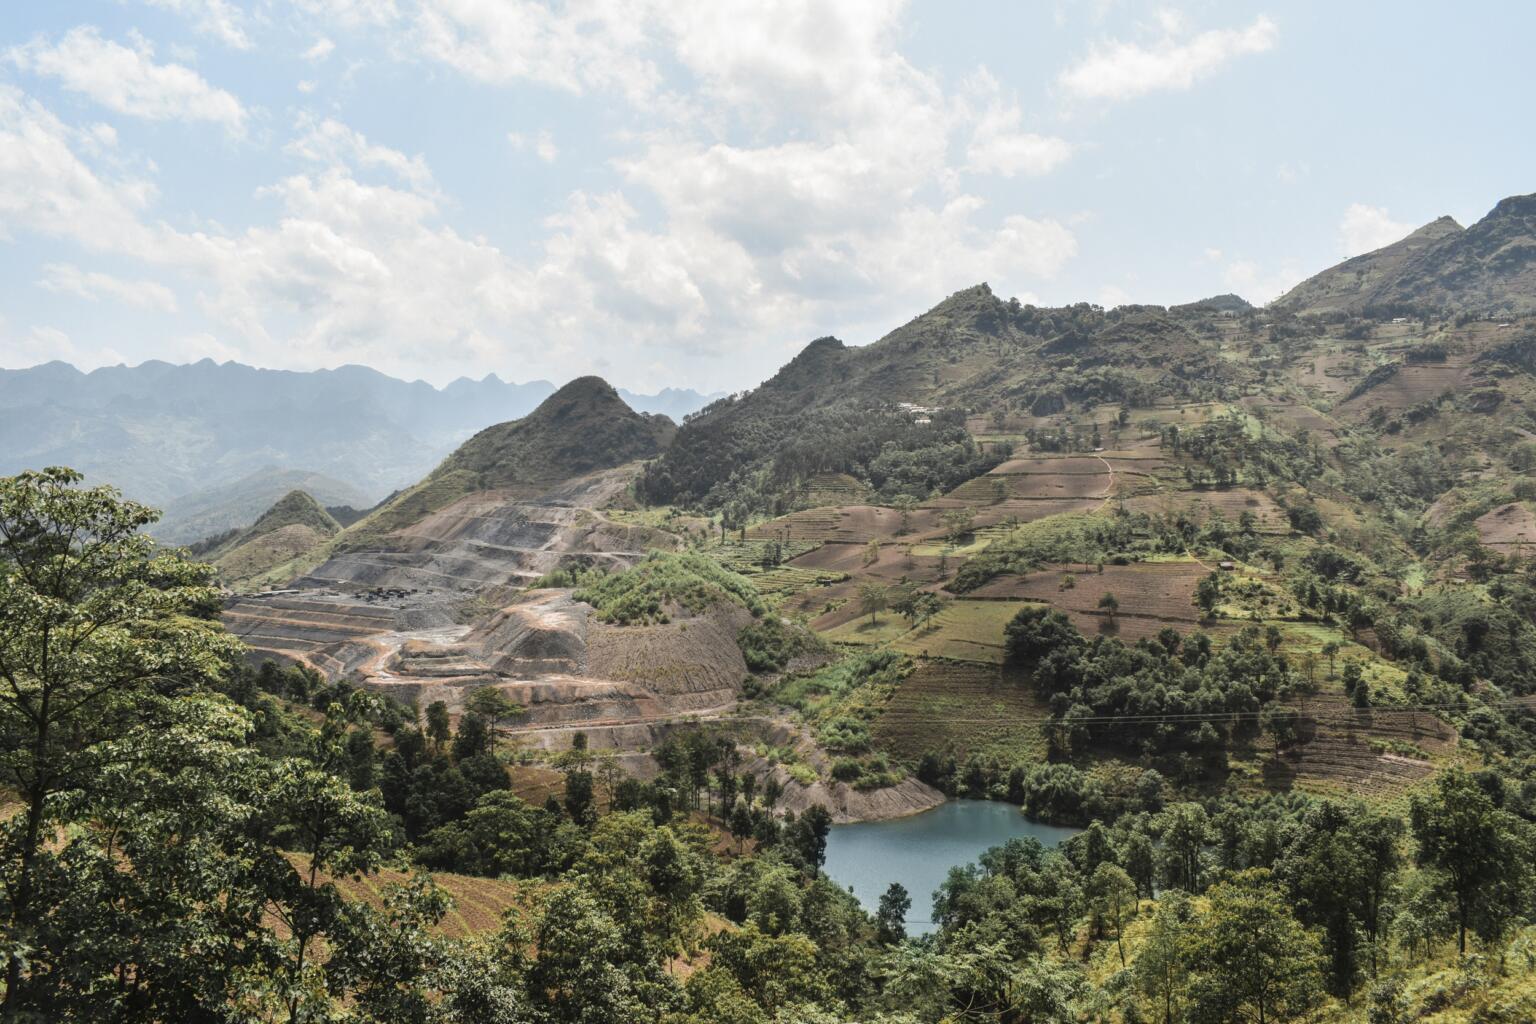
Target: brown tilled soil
point(1156, 590)
point(845, 523)
point(693, 664)
point(1411, 385)
point(1232, 502)
point(893, 563)
point(1337, 751)
point(1508, 528)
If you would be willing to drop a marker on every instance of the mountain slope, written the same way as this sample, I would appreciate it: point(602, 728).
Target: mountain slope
point(219, 509)
point(295, 525)
point(1488, 268)
point(162, 432)
point(833, 409)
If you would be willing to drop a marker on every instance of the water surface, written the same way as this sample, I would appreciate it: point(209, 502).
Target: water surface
point(919, 851)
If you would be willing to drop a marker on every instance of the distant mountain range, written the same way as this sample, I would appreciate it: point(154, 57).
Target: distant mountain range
point(174, 435)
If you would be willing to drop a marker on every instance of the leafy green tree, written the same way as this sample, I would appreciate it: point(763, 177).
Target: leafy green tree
point(492, 704)
point(1160, 971)
point(439, 727)
point(99, 631)
point(1481, 851)
point(473, 737)
point(1208, 594)
point(808, 836)
point(872, 600)
point(1252, 960)
point(578, 797)
point(1109, 604)
point(1112, 895)
point(890, 918)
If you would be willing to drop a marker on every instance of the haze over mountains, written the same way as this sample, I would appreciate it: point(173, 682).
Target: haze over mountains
point(214, 444)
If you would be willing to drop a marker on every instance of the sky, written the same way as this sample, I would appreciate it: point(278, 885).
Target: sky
point(686, 192)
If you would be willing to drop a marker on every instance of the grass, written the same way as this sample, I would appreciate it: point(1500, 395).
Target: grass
point(963, 631)
point(662, 582)
point(964, 707)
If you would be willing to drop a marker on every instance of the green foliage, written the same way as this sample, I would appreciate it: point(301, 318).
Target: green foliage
point(662, 583)
point(772, 643)
point(1058, 538)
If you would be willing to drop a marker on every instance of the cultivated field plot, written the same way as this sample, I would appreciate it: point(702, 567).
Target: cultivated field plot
point(1231, 502)
point(1293, 415)
point(1151, 595)
point(1411, 385)
point(1363, 752)
point(845, 523)
point(1333, 374)
point(786, 579)
point(836, 489)
point(963, 631)
point(480, 905)
point(1508, 529)
point(962, 707)
point(894, 560)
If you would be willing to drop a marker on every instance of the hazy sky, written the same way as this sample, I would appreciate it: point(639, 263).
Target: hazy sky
point(687, 191)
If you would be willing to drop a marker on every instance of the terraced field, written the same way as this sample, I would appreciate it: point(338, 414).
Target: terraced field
point(844, 523)
point(1151, 595)
point(1362, 752)
point(963, 631)
point(1231, 502)
point(964, 707)
point(480, 905)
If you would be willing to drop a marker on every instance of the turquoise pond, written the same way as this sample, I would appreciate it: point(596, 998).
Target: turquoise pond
point(919, 851)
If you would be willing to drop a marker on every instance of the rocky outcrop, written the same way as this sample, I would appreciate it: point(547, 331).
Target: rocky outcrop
point(848, 804)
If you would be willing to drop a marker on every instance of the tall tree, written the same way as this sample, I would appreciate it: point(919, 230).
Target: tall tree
point(1480, 851)
point(99, 630)
point(1253, 961)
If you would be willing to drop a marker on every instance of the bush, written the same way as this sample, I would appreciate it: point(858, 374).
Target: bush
point(648, 591)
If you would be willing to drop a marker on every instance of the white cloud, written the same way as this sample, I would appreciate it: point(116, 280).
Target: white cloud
point(217, 18)
point(1259, 285)
point(66, 278)
point(785, 172)
point(541, 145)
point(1364, 228)
point(43, 344)
point(1119, 70)
point(322, 49)
point(128, 80)
point(46, 187)
point(329, 142)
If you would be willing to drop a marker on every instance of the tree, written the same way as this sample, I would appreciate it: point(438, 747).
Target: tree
point(438, 726)
point(1252, 960)
point(1161, 968)
point(957, 523)
point(492, 704)
point(872, 600)
point(1113, 897)
point(809, 836)
point(741, 823)
point(99, 630)
point(872, 552)
point(1331, 651)
point(1110, 605)
point(578, 797)
point(473, 737)
point(1208, 594)
point(904, 504)
point(891, 918)
point(1478, 847)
